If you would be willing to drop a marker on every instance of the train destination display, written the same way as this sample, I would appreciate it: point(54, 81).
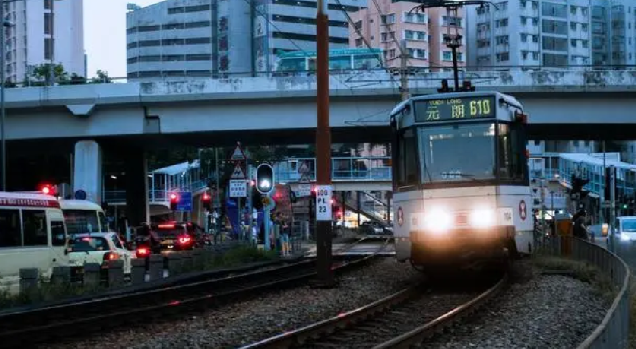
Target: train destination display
point(461, 108)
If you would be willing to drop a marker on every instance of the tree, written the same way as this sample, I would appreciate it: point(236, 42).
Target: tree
point(42, 73)
point(101, 78)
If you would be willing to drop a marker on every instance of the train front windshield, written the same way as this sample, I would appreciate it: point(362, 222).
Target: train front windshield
point(457, 152)
point(442, 155)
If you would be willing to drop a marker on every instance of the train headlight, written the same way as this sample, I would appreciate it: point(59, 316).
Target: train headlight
point(438, 220)
point(482, 218)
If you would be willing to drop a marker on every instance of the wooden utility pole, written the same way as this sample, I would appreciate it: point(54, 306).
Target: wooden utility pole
point(323, 151)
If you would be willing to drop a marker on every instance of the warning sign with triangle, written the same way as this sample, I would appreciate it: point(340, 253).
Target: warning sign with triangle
point(238, 154)
point(304, 178)
point(303, 168)
point(238, 173)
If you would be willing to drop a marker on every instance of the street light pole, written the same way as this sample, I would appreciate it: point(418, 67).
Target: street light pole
point(323, 142)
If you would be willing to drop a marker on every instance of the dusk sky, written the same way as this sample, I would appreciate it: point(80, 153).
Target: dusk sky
point(105, 34)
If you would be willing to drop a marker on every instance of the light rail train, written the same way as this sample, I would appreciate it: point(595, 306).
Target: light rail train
point(460, 179)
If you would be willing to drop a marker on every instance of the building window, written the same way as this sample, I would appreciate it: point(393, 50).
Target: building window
point(447, 56)
point(48, 23)
point(503, 57)
point(48, 48)
point(388, 19)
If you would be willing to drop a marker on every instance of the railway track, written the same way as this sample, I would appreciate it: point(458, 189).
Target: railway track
point(71, 320)
point(401, 320)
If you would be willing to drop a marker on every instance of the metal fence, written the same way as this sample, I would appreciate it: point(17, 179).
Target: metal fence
point(613, 332)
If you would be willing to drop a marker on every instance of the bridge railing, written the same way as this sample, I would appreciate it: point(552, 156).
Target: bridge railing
point(465, 72)
point(369, 168)
point(613, 332)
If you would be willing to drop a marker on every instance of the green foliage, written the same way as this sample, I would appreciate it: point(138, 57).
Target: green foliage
point(101, 78)
point(241, 254)
point(42, 74)
point(46, 292)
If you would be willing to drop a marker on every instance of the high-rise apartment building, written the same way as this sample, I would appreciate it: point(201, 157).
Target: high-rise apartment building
point(551, 33)
point(179, 38)
point(43, 32)
point(387, 25)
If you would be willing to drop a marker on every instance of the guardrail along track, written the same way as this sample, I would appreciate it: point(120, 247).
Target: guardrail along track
point(403, 319)
point(83, 318)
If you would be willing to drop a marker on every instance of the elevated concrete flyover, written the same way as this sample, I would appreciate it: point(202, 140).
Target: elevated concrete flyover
point(282, 109)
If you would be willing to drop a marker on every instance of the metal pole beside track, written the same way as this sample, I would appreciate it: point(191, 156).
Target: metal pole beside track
point(323, 143)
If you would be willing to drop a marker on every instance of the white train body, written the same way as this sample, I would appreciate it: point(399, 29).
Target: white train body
point(460, 178)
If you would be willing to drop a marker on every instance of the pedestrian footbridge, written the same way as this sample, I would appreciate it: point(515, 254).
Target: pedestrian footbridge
point(349, 174)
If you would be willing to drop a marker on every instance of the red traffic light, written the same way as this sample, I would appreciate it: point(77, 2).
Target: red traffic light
point(205, 197)
point(174, 197)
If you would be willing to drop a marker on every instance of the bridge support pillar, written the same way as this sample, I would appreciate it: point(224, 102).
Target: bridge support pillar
point(87, 170)
point(136, 168)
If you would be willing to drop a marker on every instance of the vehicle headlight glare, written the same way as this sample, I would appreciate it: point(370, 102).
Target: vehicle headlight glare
point(438, 220)
point(482, 218)
point(624, 237)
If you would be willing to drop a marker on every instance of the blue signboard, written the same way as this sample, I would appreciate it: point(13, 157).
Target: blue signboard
point(185, 201)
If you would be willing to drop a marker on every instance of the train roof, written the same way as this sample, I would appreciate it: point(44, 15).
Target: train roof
point(498, 95)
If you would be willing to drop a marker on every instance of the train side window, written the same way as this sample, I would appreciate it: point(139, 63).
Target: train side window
point(509, 153)
point(34, 228)
point(10, 232)
point(408, 161)
point(57, 233)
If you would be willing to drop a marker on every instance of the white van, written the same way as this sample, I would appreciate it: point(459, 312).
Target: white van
point(83, 216)
point(626, 228)
point(32, 234)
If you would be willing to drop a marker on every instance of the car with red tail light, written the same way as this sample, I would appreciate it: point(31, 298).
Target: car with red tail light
point(96, 248)
point(178, 236)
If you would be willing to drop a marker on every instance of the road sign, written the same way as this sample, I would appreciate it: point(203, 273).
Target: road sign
point(238, 172)
point(238, 154)
point(185, 201)
point(80, 195)
point(303, 190)
point(323, 202)
point(303, 170)
point(238, 188)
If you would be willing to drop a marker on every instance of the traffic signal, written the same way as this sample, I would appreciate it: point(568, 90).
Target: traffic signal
point(609, 173)
point(206, 200)
point(264, 178)
point(467, 86)
point(445, 87)
point(174, 200)
point(577, 186)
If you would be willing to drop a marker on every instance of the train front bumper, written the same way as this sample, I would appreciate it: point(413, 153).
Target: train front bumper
point(459, 243)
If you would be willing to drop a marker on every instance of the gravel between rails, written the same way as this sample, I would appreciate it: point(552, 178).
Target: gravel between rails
point(393, 323)
point(276, 312)
point(546, 311)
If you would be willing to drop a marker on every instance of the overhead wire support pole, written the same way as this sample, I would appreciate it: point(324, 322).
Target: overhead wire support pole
point(2, 98)
point(323, 143)
point(404, 76)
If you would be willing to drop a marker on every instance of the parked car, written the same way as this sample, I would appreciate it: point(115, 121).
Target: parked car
point(96, 248)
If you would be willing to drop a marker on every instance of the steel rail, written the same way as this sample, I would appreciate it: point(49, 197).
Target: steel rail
point(418, 335)
point(63, 321)
point(297, 338)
